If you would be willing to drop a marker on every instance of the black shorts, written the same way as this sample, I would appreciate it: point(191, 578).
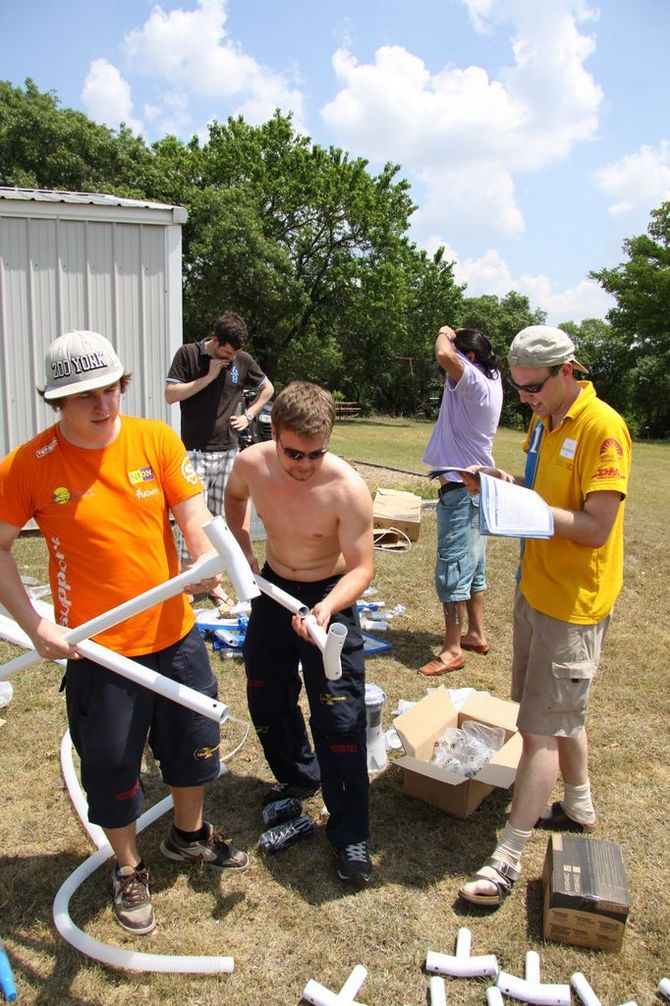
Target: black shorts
point(111, 719)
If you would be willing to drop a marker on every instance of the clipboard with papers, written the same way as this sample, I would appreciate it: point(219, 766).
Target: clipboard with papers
point(508, 510)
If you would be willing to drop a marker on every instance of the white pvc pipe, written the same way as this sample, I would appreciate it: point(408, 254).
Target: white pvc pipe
point(155, 682)
point(438, 991)
point(94, 831)
point(532, 972)
point(115, 957)
point(330, 643)
point(319, 995)
point(664, 987)
point(220, 536)
point(584, 990)
point(463, 942)
point(237, 567)
point(353, 982)
point(494, 996)
point(482, 966)
point(528, 992)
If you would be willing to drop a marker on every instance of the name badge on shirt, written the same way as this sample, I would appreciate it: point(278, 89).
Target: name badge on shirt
point(568, 449)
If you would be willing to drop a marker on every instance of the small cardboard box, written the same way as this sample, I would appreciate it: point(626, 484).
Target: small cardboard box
point(425, 723)
point(586, 896)
point(402, 510)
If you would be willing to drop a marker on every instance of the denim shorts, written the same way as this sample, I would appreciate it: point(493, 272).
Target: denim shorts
point(553, 666)
point(460, 569)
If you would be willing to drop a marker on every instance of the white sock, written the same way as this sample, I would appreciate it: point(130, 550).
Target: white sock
point(511, 844)
point(577, 802)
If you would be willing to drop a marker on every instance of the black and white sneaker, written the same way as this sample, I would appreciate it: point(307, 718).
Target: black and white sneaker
point(282, 790)
point(353, 863)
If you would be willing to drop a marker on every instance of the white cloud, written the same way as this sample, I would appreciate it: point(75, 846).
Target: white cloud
point(189, 50)
point(638, 182)
point(106, 96)
point(490, 275)
point(465, 134)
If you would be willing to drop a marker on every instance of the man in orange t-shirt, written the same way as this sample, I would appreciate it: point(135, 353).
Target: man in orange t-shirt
point(101, 486)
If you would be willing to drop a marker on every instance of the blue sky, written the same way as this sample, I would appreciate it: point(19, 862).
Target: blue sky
point(534, 132)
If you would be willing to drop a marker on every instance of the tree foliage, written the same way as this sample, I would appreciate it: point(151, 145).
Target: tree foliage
point(639, 347)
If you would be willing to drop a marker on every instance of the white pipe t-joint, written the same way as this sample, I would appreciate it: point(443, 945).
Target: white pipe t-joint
point(319, 995)
point(530, 989)
point(462, 965)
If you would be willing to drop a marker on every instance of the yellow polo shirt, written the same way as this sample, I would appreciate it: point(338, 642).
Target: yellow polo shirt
point(590, 451)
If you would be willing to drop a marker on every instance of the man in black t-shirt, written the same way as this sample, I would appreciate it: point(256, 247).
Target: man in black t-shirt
point(207, 379)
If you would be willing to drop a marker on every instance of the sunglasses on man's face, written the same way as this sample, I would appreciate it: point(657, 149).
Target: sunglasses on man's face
point(294, 455)
point(534, 389)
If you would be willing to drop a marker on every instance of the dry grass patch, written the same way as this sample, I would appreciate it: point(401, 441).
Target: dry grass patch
point(288, 919)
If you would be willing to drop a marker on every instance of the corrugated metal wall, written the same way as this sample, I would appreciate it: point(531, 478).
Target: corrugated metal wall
point(122, 279)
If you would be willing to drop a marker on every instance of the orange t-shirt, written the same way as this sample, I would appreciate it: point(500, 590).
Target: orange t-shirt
point(104, 517)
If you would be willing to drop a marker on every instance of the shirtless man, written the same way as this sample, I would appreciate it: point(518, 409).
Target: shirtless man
point(317, 514)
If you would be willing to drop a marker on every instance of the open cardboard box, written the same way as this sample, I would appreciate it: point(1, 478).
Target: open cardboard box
point(398, 509)
point(425, 723)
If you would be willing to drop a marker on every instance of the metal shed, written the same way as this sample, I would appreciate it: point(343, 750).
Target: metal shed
point(78, 260)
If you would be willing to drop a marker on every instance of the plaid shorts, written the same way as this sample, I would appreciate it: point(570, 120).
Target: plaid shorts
point(213, 468)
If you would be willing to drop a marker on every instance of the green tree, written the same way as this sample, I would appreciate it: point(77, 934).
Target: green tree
point(641, 323)
point(47, 147)
point(500, 319)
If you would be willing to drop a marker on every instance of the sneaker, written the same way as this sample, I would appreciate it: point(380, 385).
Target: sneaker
point(353, 863)
point(213, 849)
point(282, 790)
point(131, 900)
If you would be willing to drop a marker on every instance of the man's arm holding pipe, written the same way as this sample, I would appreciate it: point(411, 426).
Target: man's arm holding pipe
point(355, 539)
point(190, 515)
point(47, 637)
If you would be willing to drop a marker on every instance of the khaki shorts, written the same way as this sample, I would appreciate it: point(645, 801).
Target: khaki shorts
point(553, 665)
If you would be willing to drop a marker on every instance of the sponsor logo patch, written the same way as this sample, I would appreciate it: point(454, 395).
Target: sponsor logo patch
point(43, 451)
point(326, 699)
point(188, 472)
point(141, 475)
point(611, 447)
point(61, 495)
point(608, 473)
point(202, 754)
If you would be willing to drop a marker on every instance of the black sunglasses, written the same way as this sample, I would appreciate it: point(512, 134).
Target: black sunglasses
point(299, 455)
point(534, 389)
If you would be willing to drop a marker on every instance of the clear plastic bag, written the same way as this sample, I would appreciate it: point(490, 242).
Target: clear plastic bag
point(6, 693)
point(467, 750)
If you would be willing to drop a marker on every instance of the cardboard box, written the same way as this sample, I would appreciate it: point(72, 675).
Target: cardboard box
point(425, 723)
point(402, 510)
point(586, 895)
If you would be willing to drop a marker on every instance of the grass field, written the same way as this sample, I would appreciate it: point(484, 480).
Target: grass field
point(288, 919)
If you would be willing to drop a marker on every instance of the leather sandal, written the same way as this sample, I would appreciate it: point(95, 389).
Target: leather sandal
point(482, 648)
point(503, 884)
point(559, 820)
point(438, 666)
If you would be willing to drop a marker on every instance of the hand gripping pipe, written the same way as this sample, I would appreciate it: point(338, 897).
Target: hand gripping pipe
point(182, 694)
point(330, 643)
point(319, 995)
point(6, 977)
point(230, 557)
point(462, 965)
point(530, 989)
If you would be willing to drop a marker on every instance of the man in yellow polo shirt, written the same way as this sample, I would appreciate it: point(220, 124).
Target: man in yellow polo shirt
point(578, 453)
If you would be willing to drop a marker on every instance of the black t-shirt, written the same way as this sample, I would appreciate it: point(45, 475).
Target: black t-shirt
point(205, 417)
